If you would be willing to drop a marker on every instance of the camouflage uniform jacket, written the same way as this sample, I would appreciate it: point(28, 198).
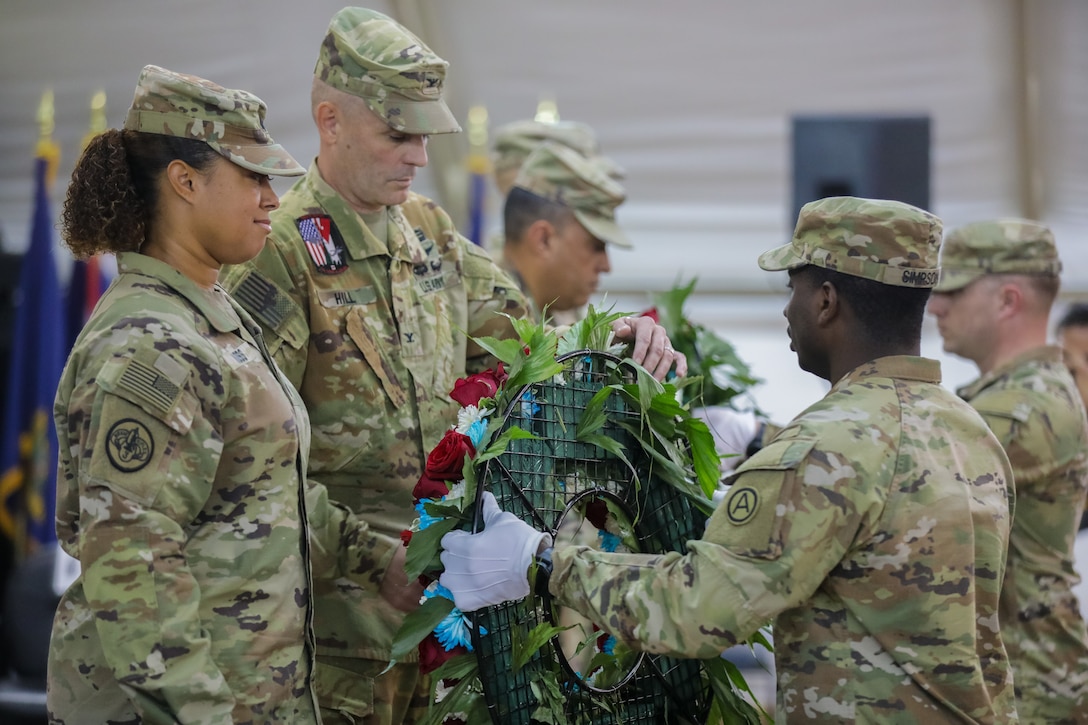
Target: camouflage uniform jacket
point(373, 335)
point(180, 494)
point(872, 530)
point(1032, 405)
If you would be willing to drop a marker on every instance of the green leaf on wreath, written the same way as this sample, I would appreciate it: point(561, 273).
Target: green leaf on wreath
point(417, 624)
point(522, 650)
point(424, 547)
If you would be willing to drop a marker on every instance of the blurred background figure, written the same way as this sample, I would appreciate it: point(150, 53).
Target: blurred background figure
point(559, 220)
point(1071, 334)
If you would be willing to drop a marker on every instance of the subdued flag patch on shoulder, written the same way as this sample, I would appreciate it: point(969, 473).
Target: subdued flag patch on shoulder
point(324, 243)
point(263, 300)
point(149, 385)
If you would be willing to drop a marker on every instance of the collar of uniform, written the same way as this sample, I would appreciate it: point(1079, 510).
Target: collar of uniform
point(901, 367)
point(358, 238)
point(1042, 354)
point(214, 304)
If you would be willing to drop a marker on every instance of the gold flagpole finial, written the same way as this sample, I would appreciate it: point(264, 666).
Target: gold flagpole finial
point(47, 148)
point(98, 117)
point(547, 111)
point(477, 139)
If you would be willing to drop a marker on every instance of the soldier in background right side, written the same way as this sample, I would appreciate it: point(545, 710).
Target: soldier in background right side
point(1071, 333)
point(998, 282)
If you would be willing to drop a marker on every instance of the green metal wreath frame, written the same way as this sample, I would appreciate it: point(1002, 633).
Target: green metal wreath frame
point(542, 480)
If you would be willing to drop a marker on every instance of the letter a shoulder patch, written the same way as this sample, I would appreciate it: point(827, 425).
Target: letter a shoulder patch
point(323, 242)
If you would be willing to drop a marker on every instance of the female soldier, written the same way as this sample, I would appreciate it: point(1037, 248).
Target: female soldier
point(181, 445)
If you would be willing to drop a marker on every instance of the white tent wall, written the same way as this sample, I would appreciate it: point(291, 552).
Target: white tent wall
point(693, 98)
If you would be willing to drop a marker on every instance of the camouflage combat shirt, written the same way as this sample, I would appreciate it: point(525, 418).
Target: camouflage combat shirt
point(872, 530)
point(372, 332)
point(1031, 403)
point(180, 493)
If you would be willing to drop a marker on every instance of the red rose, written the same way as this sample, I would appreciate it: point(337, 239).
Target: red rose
point(597, 513)
point(433, 655)
point(429, 488)
point(447, 460)
point(406, 537)
point(652, 314)
point(474, 388)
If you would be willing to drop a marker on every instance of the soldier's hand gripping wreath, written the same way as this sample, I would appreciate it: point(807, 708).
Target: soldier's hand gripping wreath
point(491, 567)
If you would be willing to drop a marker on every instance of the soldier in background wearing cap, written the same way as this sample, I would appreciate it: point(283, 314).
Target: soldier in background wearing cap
point(514, 143)
point(366, 292)
point(559, 220)
point(872, 529)
point(182, 447)
point(998, 282)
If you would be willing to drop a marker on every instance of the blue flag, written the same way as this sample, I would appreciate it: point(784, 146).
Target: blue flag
point(28, 440)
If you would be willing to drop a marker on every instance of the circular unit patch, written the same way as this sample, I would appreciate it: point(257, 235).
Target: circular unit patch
point(742, 505)
point(129, 445)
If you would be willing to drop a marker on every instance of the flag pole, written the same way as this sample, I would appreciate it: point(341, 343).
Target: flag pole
point(47, 148)
point(479, 167)
point(87, 281)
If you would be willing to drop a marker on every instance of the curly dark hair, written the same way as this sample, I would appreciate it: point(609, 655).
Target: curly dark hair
point(114, 189)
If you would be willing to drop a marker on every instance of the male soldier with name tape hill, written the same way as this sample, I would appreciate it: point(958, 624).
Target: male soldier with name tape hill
point(872, 529)
point(992, 304)
point(366, 291)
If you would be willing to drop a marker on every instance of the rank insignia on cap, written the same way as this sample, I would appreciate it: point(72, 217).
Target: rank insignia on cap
point(324, 243)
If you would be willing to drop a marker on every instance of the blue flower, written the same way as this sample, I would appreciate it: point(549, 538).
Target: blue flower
point(529, 406)
point(425, 519)
point(455, 629)
point(609, 645)
point(477, 431)
point(609, 541)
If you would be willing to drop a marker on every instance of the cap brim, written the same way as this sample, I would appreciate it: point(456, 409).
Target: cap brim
point(951, 280)
point(269, 159)
point(421, 117)
point(607, 231)
point(780, 258)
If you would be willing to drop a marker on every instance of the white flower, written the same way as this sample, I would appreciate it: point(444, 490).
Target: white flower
point(468, 415)
point(457, 491)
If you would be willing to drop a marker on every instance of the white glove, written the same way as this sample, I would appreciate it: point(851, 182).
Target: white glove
point(733, 431)
point(490, 567)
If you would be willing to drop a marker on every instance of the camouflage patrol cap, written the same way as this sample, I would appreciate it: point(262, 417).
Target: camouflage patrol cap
point(372, 56)
point(886, 241)
point(516, 140)
point(582, 184)
point(1003, 246)
point(230, 121)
